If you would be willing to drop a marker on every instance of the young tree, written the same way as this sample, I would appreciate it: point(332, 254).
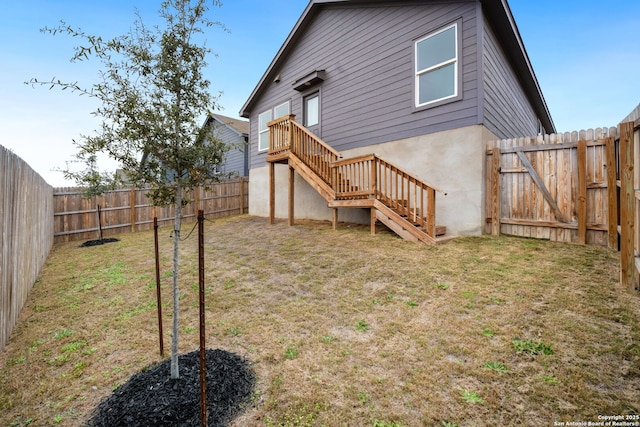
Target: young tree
point(153, 99)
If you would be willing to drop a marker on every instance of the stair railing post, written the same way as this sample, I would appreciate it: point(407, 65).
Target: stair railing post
point(292, 145)
point(431, 212)
point(374, 177)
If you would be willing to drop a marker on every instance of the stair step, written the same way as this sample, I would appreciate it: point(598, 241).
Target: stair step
point(441, 230)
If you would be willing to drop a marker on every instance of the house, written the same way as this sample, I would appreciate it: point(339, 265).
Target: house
point(421, 84)
point(235, 134)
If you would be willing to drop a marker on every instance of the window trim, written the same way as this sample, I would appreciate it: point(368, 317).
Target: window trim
point(266, 130)
point(457, 95)
point(305, 100)
point(272, 111)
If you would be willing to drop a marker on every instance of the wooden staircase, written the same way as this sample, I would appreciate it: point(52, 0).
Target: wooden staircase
point(397, 199)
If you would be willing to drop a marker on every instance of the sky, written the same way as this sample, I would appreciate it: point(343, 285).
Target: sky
point(585, 55)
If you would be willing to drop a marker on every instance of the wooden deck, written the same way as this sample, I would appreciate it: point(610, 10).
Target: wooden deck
point(397, 199)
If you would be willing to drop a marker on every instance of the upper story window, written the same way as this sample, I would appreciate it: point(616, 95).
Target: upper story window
point(436, 73)
point(281, 110)
point(264, 118)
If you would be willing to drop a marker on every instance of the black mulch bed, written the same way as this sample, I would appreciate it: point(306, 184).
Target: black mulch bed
point(98, 242)
point(152, 398)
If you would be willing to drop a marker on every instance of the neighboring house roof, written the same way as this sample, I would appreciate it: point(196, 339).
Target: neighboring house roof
point(499, 15)
point(241, 127)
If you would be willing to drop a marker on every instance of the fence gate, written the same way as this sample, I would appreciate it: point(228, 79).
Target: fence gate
point(558, 187)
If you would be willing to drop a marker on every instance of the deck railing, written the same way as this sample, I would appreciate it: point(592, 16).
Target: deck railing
point(280, 135)
point(363, 177)
point(372, 177)
point(286, 134)
point(355, 178)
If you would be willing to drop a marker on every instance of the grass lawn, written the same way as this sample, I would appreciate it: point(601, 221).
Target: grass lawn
point(342, 328)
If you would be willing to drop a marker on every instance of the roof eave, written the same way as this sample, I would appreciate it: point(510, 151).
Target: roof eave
point(220, 119)
point(498, 11)
point(502, 18)
point(268, 75)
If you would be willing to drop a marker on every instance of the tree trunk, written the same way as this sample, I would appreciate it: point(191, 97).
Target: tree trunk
point(176, 294)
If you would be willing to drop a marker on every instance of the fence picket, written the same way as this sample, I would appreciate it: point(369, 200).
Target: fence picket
point(577, 178)
point(26, 218)
point(128, 210)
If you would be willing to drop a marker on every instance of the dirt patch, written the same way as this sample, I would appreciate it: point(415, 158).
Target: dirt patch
point(152, 398)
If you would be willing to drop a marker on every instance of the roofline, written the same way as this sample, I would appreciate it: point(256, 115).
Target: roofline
point(217, 117)
point(286, 46)
point(513, 43)
point(499, 13)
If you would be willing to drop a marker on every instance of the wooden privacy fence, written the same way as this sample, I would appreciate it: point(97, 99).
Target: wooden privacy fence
point(128, 210)
point(577, 187)
point(26, 218)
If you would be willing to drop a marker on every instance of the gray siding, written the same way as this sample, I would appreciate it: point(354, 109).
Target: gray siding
point(367, 52)
point(507, 111)
point(234, 161)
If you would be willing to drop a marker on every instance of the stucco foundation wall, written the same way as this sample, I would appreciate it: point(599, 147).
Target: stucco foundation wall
point(308, 203)
point(452, 161)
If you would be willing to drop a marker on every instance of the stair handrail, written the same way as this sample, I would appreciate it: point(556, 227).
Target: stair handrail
point(285, 134)
point(370, 176)
point(363, 177)
point(280, 135)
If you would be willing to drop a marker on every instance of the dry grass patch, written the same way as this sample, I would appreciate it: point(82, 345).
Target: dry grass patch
point(343, 328)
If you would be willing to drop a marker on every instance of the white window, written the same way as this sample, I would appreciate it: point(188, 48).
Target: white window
point(436, 58)
point(281, 110)
point(264, 118)
point(312, 110)
point(263, 130)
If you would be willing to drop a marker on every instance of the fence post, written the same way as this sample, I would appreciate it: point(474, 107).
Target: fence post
point(133, 210)
point(241, 195)
point(627, 204)
point(612, 193)
point(495, 193)
point(582, 192)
